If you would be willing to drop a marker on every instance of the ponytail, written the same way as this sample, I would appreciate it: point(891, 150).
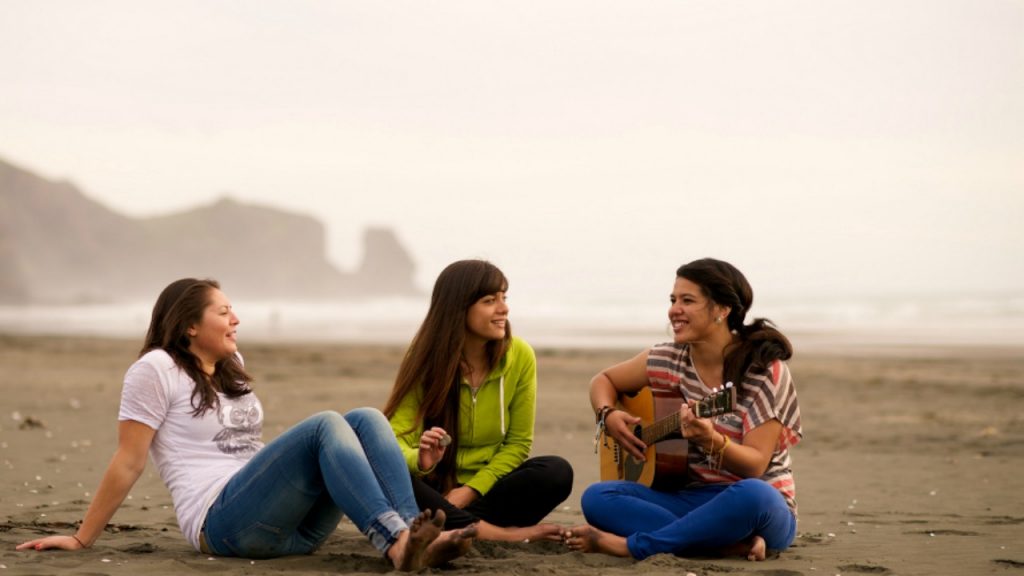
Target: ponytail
point(760, 343)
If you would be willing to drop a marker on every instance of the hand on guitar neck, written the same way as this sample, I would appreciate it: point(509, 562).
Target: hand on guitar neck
point(694, 428)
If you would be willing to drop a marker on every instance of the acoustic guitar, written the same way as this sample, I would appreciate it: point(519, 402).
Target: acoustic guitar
point(659, 429)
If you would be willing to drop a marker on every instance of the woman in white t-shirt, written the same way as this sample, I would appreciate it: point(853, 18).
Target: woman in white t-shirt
point(187, 401)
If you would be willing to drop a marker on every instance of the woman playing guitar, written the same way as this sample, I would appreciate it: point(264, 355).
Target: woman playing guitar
point(739, 494)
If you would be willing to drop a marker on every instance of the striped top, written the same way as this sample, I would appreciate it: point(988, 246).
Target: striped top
point(761, 397)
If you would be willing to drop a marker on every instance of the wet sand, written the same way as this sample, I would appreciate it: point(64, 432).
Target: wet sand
point(912, 461)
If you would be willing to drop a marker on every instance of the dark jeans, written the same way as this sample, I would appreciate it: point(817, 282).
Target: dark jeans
point(522, 498)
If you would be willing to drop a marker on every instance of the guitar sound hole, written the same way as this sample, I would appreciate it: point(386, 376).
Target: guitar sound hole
point(631, 467)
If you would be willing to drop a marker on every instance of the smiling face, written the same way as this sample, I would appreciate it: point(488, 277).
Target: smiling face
point(487, 318)
point(215, 337)
point(692, 314)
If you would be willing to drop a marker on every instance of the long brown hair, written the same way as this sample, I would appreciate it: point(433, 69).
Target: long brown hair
point(179, 307)
point(760, 342)
point(432, 366)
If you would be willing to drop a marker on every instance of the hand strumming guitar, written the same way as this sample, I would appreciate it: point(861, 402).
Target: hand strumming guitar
point(619, 425)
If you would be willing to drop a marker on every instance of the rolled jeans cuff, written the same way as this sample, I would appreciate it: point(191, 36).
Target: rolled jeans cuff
point(383, 531)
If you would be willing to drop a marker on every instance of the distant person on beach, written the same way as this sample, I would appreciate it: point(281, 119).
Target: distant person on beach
point(463, 408)
point(736, 495)
point(188, 402)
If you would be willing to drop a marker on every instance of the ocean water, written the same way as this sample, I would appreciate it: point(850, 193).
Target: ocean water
point(974, 320)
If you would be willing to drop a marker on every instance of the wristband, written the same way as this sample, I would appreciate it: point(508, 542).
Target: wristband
point(599, 431)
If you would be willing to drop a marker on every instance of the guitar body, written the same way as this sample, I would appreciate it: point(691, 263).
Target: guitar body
point(665, 468)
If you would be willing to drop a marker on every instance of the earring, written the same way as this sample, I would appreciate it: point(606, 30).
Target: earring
point(718, 319)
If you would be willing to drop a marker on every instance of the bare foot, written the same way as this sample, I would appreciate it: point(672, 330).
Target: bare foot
point(552, 532)
point(409, 553)
point(753, 548)
point(526, 534)
point(586, 538)
point(757, 550)
point(449, 545)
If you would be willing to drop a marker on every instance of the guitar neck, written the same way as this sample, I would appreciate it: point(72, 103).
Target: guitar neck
point(660, 429)
point(664, 427)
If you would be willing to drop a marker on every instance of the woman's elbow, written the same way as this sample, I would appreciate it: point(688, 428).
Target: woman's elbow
point(756, 469)
point(130, 464)
point(747, 467)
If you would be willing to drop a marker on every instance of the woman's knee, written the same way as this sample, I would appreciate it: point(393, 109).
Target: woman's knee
point(756, 492)
point(329, 424)
point(327, 418)
point(596, 495)
point(596, 501)
point(367, 416)
point(774, 520)
point(557, 471)
point(359, 420)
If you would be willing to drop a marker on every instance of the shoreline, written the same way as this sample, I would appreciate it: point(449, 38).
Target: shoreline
point(836, 343)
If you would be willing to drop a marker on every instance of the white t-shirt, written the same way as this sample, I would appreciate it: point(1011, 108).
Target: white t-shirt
point(195, 456)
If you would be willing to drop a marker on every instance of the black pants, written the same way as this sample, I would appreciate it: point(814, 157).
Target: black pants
point(522, 498)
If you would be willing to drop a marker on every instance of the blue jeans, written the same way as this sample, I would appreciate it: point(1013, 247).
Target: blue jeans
point(697, 520)
point(292, 494)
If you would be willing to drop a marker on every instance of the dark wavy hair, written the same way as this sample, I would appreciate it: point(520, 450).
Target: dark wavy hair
point(179, 307)
point(432, 365)
point(760, 342)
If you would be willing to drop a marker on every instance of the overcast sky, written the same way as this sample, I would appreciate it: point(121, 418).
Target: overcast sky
point(585, 146)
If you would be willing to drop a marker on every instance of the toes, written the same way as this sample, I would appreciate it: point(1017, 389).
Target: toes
point(419, 519)
point(439, 518)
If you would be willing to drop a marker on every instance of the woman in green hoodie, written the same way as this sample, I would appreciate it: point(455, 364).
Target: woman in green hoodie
point(463, 408)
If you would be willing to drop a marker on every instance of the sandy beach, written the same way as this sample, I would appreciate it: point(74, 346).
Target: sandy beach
point(912, 461)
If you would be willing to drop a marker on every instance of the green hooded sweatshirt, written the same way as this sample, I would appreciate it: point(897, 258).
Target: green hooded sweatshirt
point(495, 422)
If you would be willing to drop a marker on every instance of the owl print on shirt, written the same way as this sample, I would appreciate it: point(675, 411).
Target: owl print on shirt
point(242, 421)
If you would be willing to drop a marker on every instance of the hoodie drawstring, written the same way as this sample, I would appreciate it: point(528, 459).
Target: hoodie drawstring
point(501, 402)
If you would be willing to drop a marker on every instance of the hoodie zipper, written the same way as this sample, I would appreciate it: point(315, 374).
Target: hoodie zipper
point(472, 417)
point(501, 405)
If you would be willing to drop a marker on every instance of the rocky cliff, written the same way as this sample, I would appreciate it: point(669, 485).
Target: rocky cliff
point(59, 246)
